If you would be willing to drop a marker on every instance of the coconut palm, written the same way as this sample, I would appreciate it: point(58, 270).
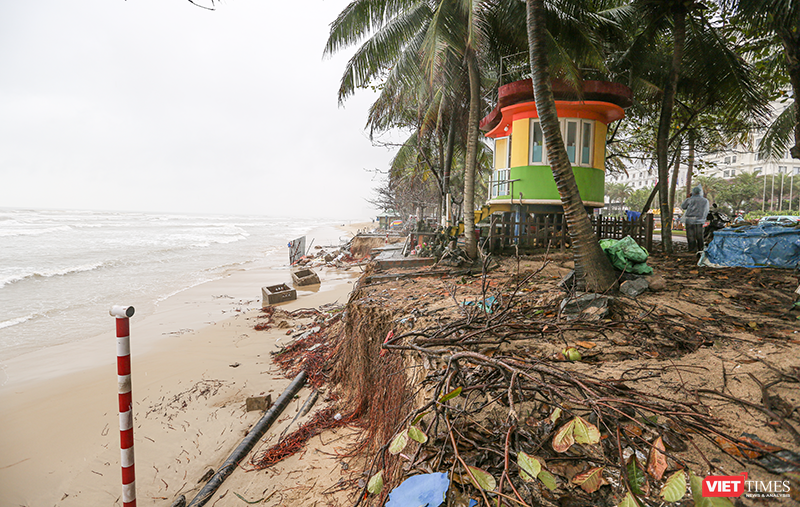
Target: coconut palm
point(407, 38)
point(618, 192)
point(703, 67)
point(592, 268)
point(777, 22)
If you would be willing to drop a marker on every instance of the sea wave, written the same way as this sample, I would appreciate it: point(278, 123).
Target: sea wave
point(33, 232)
point(18, 320)
point(8, 279)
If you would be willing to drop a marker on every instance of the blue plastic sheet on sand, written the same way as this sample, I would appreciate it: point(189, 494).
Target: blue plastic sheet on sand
point(420, 491)
point(755, 246)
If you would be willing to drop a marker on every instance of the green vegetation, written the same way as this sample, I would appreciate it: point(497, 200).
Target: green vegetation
point(702, 74)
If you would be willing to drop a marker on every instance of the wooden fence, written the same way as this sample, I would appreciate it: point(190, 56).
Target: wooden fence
point(542, 230)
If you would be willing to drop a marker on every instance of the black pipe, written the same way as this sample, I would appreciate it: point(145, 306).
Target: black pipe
point(248, 443)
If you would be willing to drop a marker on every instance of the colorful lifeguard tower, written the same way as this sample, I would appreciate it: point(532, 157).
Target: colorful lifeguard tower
point(522, 180)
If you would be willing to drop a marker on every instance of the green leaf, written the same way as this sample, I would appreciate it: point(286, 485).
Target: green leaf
point(529, 465)
point(701, 501)
point(674, 488)
point(399, 443)
point(485, 480)
point(563, 439)
point(375, 484)
point(585, 432)
point(555, 415)
point(629, 501)
point(548, 480)
point(449, 396)
point(636, 477)
point(525, 477)
point(417, 435)
point(590, 480)
point(418, 418)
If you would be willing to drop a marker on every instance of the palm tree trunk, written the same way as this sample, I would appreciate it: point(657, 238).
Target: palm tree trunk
point(470, 242)
point(665, 120)
point(791, 45)
point(448, 161)
point(592, 268)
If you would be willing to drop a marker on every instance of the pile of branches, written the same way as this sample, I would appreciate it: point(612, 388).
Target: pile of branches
point(517, 429)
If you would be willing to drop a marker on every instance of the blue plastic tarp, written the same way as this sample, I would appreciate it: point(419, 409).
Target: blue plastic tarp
point(755, 246)
point(420, 490)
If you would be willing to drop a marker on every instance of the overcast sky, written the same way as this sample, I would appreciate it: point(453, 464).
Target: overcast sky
point(158, 105)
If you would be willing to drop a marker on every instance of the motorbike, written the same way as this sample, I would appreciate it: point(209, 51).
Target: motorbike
point(717, 220)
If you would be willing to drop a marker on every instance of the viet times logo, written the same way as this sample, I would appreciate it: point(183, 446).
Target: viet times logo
point(739, 485)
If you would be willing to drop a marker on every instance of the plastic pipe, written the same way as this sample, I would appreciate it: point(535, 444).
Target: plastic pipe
point(249, 442)
point(122, 315)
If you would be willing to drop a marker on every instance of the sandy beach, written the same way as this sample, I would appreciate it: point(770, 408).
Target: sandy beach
point(194, 362)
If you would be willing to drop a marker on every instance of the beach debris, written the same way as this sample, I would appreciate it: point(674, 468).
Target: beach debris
point(422, 489)
point(585, 307)
point(235, 365)
point(258, 403)
point(206, 476)
point(612, 424)
point(249, 441)
point(305, 276)
point(294, 442)
point(274, 294)
point(179, 402)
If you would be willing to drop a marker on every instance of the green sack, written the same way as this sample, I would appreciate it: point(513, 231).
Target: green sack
point(631, 250)
point(626, 255)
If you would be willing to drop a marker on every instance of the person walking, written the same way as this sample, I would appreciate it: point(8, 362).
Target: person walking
point(696, 210)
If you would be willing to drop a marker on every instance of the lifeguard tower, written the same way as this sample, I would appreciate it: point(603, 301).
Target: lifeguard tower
point(522, 181)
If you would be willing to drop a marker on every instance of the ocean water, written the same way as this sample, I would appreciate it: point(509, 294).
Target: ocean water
point(61, 270)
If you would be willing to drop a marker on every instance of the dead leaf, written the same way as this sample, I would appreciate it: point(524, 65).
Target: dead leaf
point(632, 430)
point(586, 345)
point(590, 480)
point(733, 449)
point(657, 461)
point(563, 438)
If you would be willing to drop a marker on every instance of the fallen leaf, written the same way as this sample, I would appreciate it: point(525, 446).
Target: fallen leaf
point(585, 432)
point(586, 345)
point(399, 443)
point(632, 430)
point(675, 487)
point(657, 460)
point(563, 439)
point(529, 464)
point(548, 480)
point(484, 479)
point(375, 484)
point(590, 480)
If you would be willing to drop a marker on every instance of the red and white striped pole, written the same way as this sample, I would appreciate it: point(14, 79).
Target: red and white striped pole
point(122, 314)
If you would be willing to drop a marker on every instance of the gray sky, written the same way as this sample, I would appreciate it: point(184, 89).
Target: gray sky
point(158, 105)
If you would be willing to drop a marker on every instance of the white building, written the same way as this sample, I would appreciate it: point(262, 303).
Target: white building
point(726, 165)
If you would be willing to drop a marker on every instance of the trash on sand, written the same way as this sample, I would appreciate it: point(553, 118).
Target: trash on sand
point(424, 489)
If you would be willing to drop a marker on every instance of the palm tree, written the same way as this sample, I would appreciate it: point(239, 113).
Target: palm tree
point(592, 268)
point(618, 192)
point(407, 38)
point(777, 21)
point(702, 66)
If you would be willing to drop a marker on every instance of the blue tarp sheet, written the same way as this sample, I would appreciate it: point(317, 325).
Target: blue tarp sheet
point(755, 246)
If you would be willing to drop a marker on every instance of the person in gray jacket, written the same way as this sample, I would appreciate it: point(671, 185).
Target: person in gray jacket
point(696, 210)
